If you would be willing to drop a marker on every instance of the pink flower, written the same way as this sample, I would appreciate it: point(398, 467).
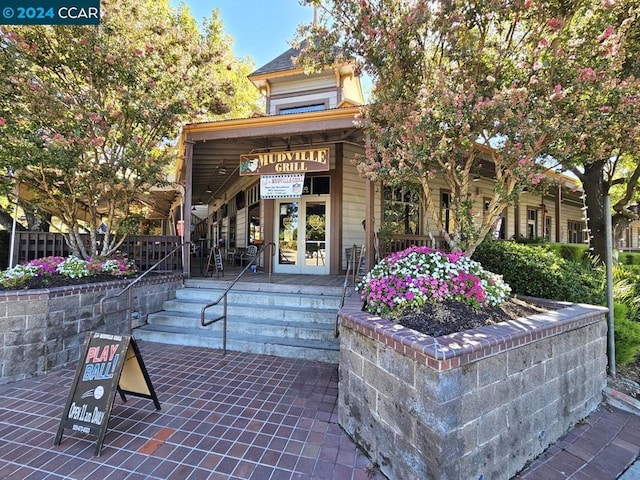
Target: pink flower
point(555, 24)
point(587, 75)
point(607, 33)
point(558, 93)
point(3, 121)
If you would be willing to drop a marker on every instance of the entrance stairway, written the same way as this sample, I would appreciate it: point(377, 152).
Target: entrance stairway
point(294, 321)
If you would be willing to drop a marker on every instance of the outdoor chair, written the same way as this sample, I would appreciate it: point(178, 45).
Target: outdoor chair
point(249, 254)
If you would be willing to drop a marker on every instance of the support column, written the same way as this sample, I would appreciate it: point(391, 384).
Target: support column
point(558, 206)
point(188, 192)
point(335, 264)
point(369, 227)
point(269, 234)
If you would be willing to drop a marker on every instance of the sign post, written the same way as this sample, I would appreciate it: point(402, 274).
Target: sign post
point(108, 363)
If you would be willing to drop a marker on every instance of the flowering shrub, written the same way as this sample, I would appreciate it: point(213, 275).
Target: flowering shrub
point(71, 267)
point(417, 275)
point(74, 267)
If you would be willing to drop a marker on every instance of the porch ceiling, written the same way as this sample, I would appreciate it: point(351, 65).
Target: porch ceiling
point(216, 162)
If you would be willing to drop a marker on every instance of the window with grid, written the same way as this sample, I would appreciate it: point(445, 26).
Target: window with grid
point(402, 209)
point(575, 231)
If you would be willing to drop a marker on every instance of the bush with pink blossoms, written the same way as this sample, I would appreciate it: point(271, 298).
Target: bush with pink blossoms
point(71, 267)
point(410, 278)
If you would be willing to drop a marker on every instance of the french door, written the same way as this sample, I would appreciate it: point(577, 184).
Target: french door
point(302, 225)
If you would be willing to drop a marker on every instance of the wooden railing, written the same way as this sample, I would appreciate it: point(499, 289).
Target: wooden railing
point(400, 242)
point(145, 250)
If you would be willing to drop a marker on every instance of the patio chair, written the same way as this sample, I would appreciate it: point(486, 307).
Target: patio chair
point(249, 254)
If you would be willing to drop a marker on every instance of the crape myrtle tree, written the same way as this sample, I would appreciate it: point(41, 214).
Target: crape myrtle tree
point(593, 59)
point(451, 80)
point(87, 113)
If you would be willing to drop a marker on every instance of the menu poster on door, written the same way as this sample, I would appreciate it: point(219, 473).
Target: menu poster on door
point(281, 186)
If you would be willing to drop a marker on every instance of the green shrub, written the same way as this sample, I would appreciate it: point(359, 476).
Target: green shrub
point(626, 289)
point(535, 271)
point(628, 258)
point(627, 335)
point(575, 252)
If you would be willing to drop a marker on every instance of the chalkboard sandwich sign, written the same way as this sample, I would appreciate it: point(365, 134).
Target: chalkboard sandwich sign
point(108, 363)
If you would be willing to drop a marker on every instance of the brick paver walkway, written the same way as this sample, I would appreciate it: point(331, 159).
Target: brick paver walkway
point(601, 447)
point(245, 416)
point(242, 416)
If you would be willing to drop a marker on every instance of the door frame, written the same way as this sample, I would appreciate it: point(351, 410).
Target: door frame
point(301, 267)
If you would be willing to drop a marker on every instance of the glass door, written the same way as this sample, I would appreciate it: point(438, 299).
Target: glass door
point(303, 236)
point(287, 245)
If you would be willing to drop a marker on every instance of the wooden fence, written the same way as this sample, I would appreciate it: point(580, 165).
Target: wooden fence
point(145, 250)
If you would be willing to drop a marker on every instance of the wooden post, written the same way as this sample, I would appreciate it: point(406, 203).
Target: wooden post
point(369, 227)
point(188, 192)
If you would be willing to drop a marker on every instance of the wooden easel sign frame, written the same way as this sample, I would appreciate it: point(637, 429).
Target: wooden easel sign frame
point(108, 363)
point(215, 261)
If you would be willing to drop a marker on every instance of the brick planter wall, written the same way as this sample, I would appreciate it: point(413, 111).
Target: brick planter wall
point(473, 405)
point(44, 329)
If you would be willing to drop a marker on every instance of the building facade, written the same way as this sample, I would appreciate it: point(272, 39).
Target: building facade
point(288, 178)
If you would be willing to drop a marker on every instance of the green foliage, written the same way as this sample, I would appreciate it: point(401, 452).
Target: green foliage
point(535, 271)
point(628, 258)
point(452, 75)
point(570, 251)
point(87, 114)
point(627, 335)
point(529, 240)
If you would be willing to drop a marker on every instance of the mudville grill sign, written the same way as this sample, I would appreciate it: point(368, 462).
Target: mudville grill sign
point(296, 161)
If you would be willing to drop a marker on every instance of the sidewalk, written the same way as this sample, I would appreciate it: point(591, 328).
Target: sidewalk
point(602, 447)
point(246, 416)
point(242, 416)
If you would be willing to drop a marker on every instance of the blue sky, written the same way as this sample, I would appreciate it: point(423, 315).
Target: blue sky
point(260, 28)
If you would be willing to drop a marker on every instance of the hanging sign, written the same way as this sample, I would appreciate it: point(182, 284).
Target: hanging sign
point(281, 186)
point(296, 161)
point(108, 363)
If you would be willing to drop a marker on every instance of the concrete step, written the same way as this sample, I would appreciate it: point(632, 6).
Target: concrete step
point(264, 287)
point(287, 320)
point(323, 351)
point(245, 297)
point(249, 326)
point(251, 310)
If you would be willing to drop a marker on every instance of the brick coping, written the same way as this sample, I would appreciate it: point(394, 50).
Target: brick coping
point(452, 351)
point(41, 294)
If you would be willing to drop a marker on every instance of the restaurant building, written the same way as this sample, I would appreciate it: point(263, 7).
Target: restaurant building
point(288, 177)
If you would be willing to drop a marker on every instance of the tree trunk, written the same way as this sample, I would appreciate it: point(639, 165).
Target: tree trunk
point(596, 189)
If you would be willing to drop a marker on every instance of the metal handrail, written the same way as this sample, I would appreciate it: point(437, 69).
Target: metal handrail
point(223, 296)
point(128, 288)
point(345, 285)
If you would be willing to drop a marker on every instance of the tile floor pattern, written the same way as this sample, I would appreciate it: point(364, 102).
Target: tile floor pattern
point(242, 416)
point(601, 447)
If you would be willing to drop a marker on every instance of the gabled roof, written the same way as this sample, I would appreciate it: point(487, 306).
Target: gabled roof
point(281, 63)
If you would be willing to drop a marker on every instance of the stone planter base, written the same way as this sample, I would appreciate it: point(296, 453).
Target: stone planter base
point(472, 405)
point(44, 329)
